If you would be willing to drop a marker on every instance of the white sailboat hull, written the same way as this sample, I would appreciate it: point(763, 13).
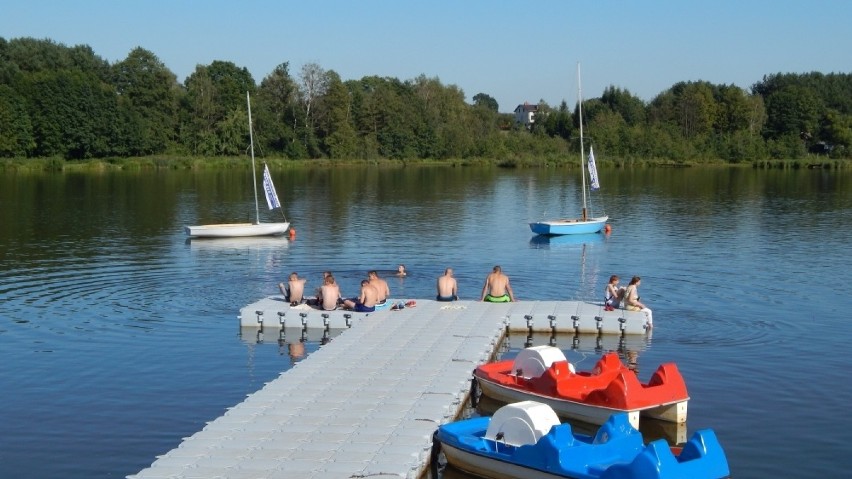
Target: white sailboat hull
point(237, 230)
point(569, 226)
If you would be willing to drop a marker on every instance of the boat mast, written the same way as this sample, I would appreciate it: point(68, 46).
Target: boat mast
point(582, 148)
point(253, 174)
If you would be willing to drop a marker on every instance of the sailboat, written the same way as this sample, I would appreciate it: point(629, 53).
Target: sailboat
point(584, 224)
point(234, 230)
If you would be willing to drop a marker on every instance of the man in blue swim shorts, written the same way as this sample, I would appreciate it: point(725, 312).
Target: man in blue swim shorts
point(497, 288)
point(447, 287)
point(366, 302)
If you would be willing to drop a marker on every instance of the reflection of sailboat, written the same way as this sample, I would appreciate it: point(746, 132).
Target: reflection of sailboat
point(239, 243)
point(231, 230)
point(550, 240)
point(571, 243)
point(584, 224)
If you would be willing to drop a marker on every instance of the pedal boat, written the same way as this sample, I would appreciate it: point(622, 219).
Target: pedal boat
point(541, 373)
point(526, 440)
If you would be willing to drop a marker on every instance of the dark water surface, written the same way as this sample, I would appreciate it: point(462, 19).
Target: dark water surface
point(118, 337)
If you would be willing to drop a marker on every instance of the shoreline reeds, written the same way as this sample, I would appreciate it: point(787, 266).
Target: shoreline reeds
point(165, 162)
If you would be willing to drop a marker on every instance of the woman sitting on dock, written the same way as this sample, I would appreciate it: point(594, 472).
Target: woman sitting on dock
point(631, 300)
point(613, 294)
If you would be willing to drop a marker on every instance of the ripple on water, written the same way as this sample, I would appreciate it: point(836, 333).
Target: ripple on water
point(127, 287)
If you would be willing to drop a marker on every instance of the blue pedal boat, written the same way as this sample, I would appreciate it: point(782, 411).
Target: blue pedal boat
point(525, 440)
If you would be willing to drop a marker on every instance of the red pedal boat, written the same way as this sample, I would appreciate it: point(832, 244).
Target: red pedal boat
point(543, 374)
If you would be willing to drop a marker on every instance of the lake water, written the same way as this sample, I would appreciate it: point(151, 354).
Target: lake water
point(118, 337)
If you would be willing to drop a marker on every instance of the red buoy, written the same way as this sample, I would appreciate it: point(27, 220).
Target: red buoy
point(292, 233)
point(607, 229)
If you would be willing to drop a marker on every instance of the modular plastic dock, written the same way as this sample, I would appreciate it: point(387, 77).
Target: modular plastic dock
point(579, 317)
point(365, 404)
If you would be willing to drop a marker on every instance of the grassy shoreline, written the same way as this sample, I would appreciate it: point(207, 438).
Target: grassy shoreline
point(163, 162)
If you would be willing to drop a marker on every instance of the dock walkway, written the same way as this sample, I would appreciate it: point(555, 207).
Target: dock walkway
point(579, 317)
point(364, 405)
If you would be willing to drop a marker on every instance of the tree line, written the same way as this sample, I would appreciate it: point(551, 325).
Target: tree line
point(67, 102)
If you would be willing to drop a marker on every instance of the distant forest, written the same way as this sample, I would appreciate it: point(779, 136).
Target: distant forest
point(67, 102)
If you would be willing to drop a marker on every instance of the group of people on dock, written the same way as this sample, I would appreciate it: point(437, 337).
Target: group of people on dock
point(374, 292)
point(616, 297)
point(497, 289)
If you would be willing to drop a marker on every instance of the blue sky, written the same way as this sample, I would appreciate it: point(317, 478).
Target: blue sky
point(514, 51)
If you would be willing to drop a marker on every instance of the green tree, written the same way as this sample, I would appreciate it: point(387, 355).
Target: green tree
point(313, 86)
point(74, 115)
point(279, 114)
point(337, 131)
point(558, 123)
point(148, 93)
point(16, 132)
point(792, 110)
point(733, 109)
point(30, 55)
point(214, 93)
point(444, 131)
point(630, 107)
point(483, 100)
point(688, 105)
point(836, 129)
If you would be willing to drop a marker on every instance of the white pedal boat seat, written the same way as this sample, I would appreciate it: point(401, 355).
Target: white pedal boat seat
point(533, 362)
point(521, 423)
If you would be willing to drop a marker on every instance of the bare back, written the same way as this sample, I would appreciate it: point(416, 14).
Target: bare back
point(447, 286)
point(497, 284)
point(330, 295)
point(297, 290)
point(382, 288)
point(369, 295)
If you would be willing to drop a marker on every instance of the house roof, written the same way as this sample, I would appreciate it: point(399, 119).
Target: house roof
point(526, 107)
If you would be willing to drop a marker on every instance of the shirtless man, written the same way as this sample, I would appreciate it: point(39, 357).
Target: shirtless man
point(329, 294)
point(497, 288)
point(381, 286)
point(447, 287)
point(294, 289)
point(325, 274)
point(366, 303)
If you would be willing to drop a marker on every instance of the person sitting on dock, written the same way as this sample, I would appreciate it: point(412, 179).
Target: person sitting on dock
point(497, 288)
point(631, 300)
point(613, 294)
point(366, 302)
point(318, 291)
point(293, 290)
point(329, 294)
point(447, 287)
point(381, 286)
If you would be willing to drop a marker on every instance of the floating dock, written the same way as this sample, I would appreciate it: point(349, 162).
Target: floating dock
point(366, 403)
point(579, 317)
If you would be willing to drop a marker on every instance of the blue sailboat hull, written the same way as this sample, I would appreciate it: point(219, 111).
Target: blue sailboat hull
point(569, 226)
